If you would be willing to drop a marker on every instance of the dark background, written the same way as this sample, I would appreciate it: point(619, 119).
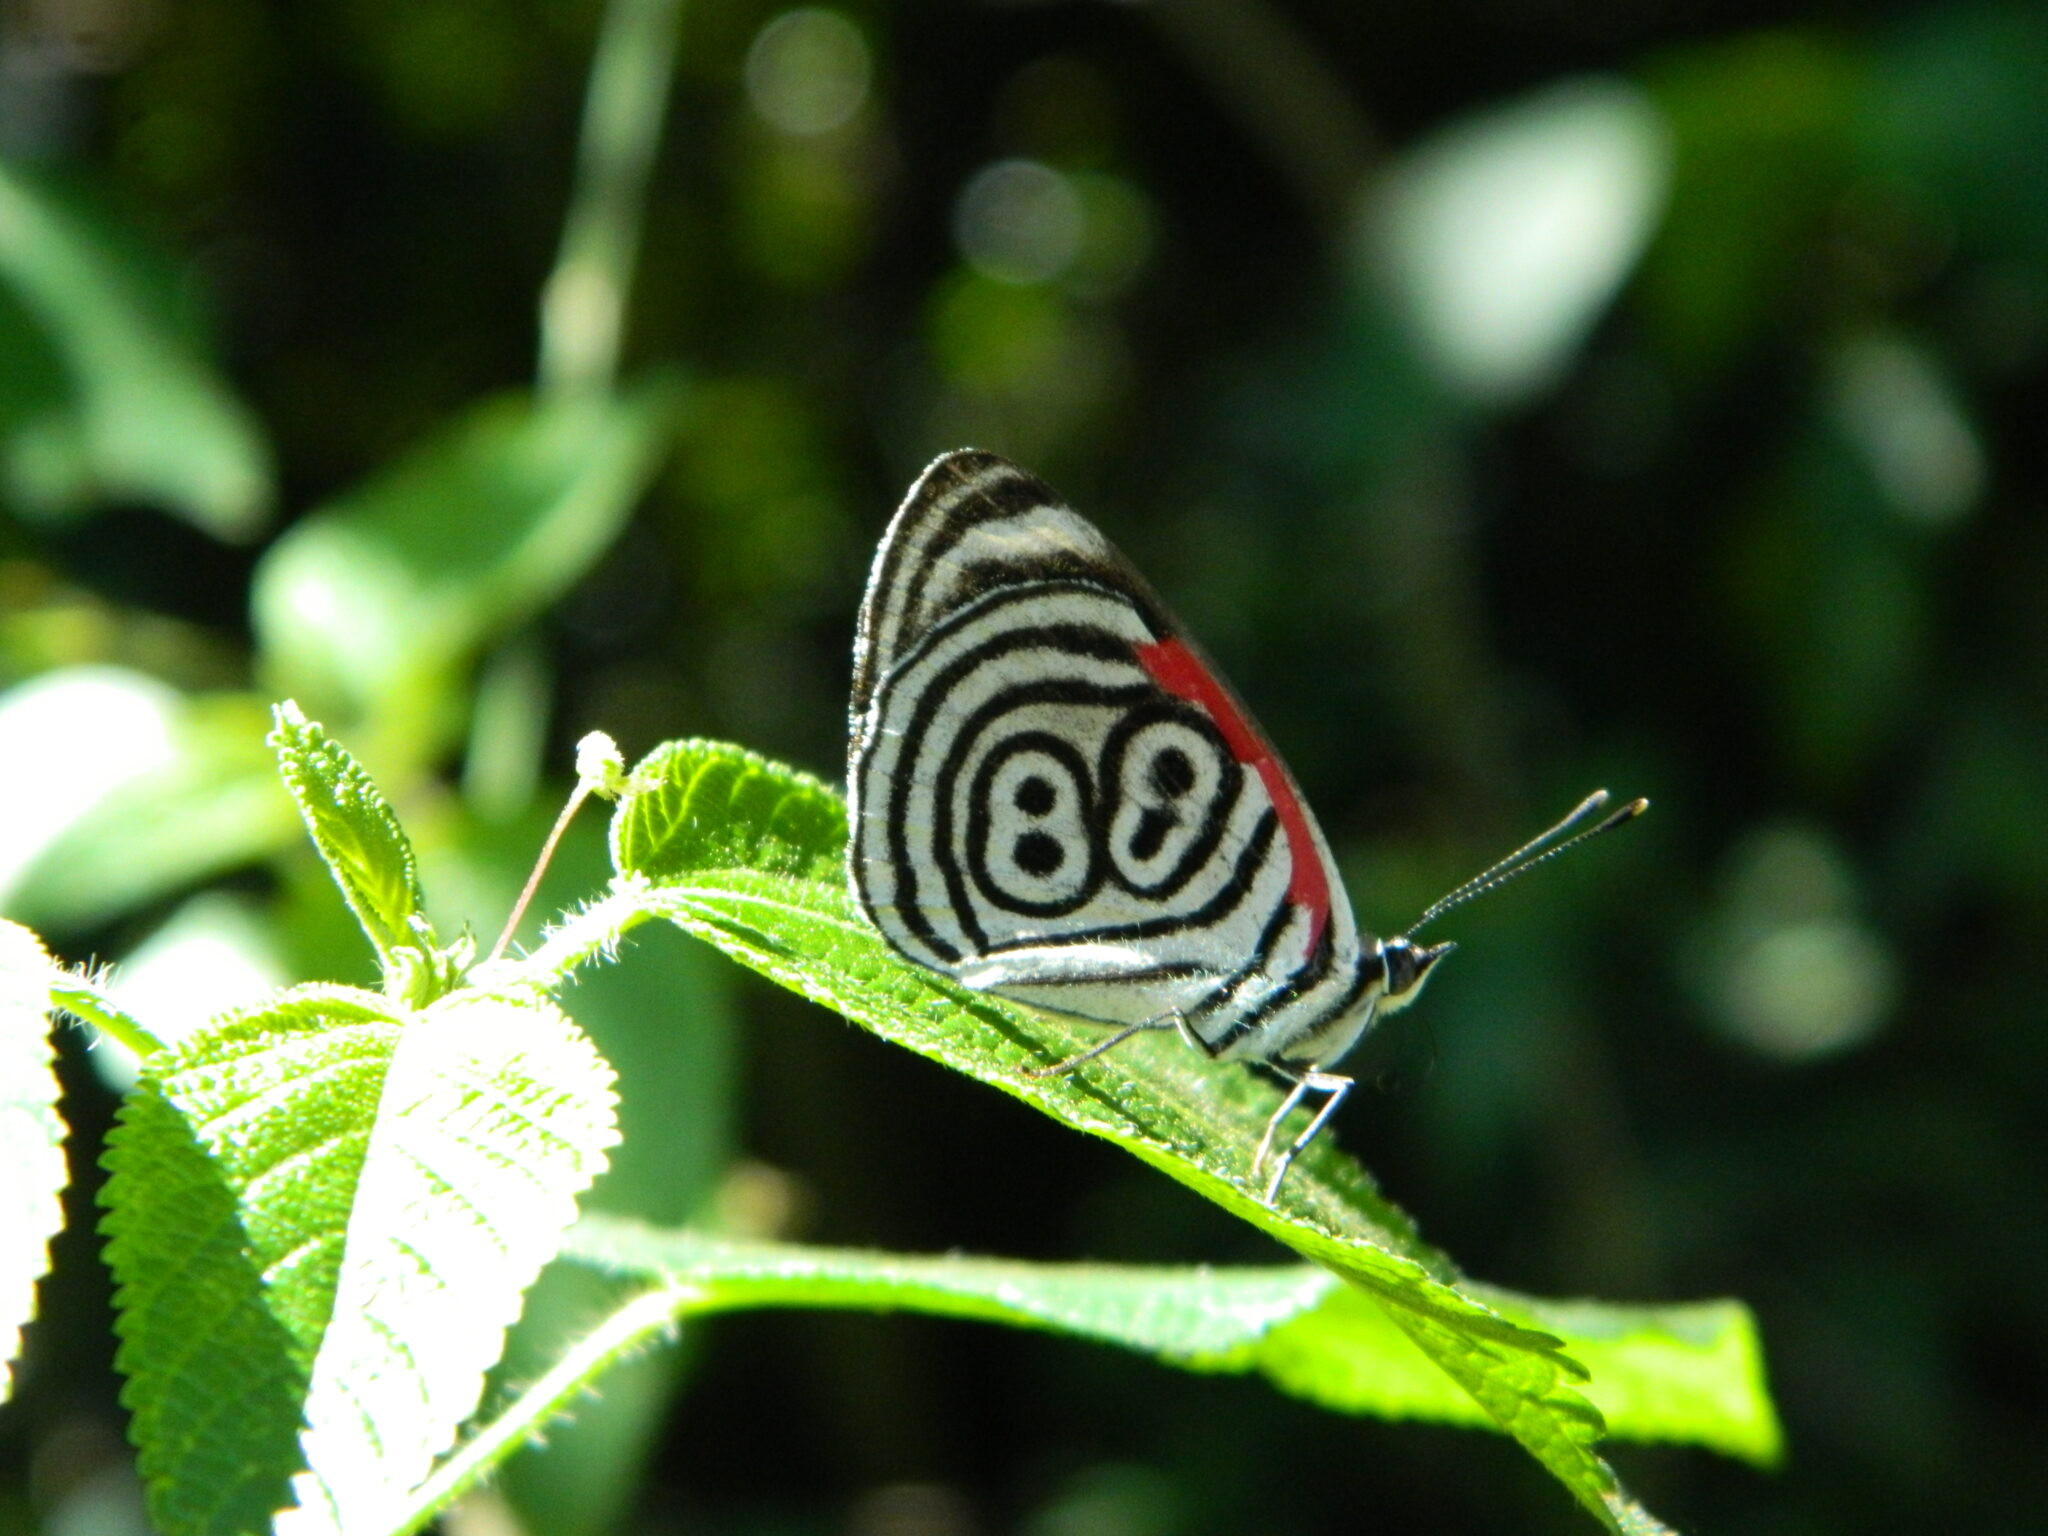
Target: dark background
point(1763, 537)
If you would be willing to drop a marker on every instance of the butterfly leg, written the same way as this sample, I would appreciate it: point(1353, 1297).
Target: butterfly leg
point(1309, 1082)
point(1172, 1020)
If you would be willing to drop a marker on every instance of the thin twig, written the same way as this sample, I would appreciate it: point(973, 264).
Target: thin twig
point(583, 306)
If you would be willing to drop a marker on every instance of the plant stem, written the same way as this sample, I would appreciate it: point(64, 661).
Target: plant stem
point(579, 936)
point(82, 999)
point(583, 305)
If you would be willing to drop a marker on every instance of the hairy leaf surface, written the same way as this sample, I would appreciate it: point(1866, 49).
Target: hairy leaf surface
point(354, 829)
point(775, 898)
point(322, 1214)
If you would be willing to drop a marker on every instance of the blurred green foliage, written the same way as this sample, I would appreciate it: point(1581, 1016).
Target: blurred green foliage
point(1513, 399)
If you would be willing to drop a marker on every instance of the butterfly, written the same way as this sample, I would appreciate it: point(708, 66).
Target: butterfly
point(1055, 798)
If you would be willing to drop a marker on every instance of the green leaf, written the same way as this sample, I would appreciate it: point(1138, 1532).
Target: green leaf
point(1689, 1372)
point(138, 790)
point(781, 907)
point(231, 1176)
point(86, 995)
point(140, 415)
point(354, 829)
point(1184, 1314)
point(497, 1115)
point(369, 608)
point(695, 807)
point(323, 1213)
point(1146, 1309)
point(1300, 1326)
point(31, 1137)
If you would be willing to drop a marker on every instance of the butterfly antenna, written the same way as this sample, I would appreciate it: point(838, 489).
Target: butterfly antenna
point(1534, 852)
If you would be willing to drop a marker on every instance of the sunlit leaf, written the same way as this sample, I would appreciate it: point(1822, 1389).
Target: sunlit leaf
point(1187, 1314)
point(321, 1217)
point(31, 1137)
point(696, 809)
point(354, 829)
point(786, 912)
point(496, 1116)
point(667, 1022)
point(232, 1173)
point(1690, 1372)
point(1680, 1373)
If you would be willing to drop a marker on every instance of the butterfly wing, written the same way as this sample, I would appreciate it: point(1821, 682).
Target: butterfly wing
point(1055, 797)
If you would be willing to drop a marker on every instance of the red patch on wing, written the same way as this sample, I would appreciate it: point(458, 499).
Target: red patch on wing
point(1177, 669)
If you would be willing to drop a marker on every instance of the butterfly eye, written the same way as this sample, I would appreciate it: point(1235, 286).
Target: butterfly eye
point(1408, 967)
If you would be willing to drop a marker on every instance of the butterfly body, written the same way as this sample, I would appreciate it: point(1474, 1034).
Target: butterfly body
point(1055, 798)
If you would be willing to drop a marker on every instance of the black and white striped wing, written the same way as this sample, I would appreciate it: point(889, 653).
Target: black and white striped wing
point(1053, 795)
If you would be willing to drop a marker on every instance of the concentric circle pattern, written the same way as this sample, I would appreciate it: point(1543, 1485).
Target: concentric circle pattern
point(1054, 799)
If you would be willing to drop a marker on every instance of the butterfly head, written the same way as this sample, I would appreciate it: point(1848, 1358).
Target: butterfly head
point(1408, 966)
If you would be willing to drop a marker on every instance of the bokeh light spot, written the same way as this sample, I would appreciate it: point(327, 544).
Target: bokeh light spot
point(1503, 239)
point(1899, 411)
point(1019, 221)
point(1808, 989)
point(73, 739)
point(1789, 969)
point(808, 71)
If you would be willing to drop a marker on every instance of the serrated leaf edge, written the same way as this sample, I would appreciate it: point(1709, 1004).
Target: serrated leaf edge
point(299, 743)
